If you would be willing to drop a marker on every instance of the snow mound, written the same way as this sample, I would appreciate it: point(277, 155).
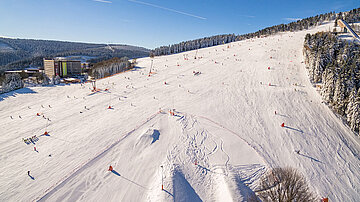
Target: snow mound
point(150, 136)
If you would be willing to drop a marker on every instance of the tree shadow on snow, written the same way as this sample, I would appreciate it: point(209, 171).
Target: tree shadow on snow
point(16, 92)
point(246, 176)
point(183, 191)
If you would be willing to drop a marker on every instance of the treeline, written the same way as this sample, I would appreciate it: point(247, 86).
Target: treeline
point(223, 39)
point(16, 54)
point(194, 44)
point(110, 67)
point(335, 64)
point(351, 16)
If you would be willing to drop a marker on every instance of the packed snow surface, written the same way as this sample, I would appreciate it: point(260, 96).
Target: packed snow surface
point(223, 135)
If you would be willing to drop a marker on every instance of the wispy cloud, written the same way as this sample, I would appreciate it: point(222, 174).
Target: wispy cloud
point(168, 9)
point(103, 1)
point(292, 19)
point(248, 16)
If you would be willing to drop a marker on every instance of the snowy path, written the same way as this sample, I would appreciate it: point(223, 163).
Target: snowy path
point(225, 121)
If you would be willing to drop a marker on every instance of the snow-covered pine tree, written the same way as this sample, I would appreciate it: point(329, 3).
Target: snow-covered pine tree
point(328, 88)
point(351, 104)
point(339, 103)
point(355, 116)
point(12, 82)
point(56, 80)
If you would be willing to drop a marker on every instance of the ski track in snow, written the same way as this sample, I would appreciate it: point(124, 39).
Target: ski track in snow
point(80, 168)
point(223, 137)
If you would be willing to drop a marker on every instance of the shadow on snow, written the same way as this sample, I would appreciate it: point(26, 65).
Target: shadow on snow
point(16, 92)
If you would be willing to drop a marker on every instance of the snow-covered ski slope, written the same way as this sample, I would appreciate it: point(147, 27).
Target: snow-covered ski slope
point(223, 135)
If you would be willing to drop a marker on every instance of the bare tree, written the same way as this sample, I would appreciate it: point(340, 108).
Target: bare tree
point(284, 185)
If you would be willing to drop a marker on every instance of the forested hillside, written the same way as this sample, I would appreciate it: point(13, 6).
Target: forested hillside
point(335, 64)
point(19, 53)
point(110, 67)
point(351, 16)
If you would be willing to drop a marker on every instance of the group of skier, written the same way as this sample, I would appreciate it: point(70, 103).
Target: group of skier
point(29, 140)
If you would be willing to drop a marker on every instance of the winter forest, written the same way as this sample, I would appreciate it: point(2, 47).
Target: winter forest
point(110, 67)
point(351, 16)
point(335, 64)
point(17, 54)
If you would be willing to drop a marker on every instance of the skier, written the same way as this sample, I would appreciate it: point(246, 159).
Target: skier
point(28, 172)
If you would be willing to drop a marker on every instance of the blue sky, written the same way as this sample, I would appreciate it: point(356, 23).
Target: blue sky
point(151, 23)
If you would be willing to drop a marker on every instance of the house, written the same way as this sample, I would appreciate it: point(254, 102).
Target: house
point(30, 71)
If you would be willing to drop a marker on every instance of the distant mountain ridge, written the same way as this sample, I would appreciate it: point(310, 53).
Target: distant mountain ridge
point(19, 53)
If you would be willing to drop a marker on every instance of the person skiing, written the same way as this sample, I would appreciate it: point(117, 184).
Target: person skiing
point(29, 172)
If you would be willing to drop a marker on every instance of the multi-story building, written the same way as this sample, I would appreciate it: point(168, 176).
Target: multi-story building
point(62, 67)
